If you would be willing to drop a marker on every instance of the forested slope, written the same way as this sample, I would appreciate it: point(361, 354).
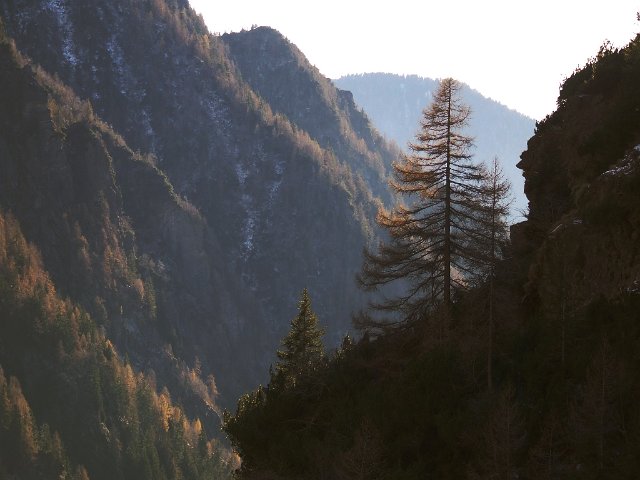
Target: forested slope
point(72, 407)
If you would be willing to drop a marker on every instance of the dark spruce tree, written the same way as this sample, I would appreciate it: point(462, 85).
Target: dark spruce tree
point(263, 413)
point(433, 242)
point(302, 348)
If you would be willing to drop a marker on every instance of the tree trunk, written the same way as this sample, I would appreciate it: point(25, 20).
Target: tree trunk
point(447, 224)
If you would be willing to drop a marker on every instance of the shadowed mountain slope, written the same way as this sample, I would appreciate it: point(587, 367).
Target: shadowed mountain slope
point(278, 209)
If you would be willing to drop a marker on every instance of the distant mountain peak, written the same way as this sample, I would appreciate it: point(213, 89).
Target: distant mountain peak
point(395, 103)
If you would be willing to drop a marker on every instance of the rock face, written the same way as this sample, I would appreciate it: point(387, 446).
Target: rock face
point(581, 171)
point(395, 103)
point(232, 208)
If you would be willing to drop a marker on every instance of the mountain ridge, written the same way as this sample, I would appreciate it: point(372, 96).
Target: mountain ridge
point(270, 64)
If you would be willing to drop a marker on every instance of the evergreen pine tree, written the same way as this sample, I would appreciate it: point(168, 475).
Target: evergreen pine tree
point(302, 346)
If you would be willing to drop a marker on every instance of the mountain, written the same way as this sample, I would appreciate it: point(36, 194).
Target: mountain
point(70, 405)
point(271, 64)
point(561, 399)
point(235, 206)
point(394, 103)
point(112, 232)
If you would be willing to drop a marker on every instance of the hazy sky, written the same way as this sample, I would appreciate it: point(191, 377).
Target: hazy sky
point(513, 51)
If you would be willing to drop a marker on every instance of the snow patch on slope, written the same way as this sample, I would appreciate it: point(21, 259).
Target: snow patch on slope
point(117, 58)
point(59, 9)
point(259, 179)
point(242, 173)
point(249, 227)
point(625, 166)
point(216, 110)
point(243, 168)
point(624, 169)
point(148, 129)
point(275, 186)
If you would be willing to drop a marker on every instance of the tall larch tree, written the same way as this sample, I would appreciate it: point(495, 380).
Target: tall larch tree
point(433, 229)
point(302, 347)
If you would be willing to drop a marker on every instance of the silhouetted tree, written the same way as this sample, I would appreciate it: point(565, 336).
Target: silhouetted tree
point(302, 346)
point(433, 237)
point(496, 232)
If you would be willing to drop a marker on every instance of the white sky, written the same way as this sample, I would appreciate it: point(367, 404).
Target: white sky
point(509, 50)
